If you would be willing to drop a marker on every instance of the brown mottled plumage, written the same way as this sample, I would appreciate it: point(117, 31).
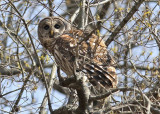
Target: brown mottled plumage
point(66, 43)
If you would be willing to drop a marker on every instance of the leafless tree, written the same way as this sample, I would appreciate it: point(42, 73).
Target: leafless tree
point(28, 73)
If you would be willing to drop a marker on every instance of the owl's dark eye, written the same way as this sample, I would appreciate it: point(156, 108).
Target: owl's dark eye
point(46, 27)
point(57, 26)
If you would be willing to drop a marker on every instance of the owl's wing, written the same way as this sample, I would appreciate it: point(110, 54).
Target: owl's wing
point(93, 58)
point(98, 75)
point(100, 65)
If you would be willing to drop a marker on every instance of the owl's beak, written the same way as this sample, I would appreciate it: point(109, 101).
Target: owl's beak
point(51, 32)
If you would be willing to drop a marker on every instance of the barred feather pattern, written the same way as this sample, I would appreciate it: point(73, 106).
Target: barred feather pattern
point(93, 58)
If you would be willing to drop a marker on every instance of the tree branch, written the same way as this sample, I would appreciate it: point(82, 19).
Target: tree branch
point(50, 85)
point(124, 21)
point(41, 68)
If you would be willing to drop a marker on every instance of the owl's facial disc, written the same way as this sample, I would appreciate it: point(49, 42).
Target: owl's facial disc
point(52, 28)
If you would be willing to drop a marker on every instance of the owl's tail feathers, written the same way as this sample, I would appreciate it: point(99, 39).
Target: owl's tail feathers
point(106, 78)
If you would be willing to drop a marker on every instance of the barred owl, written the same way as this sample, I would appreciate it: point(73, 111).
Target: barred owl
point(69, 45)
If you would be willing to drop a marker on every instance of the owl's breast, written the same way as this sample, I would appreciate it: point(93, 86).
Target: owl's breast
point(64, 59)
point(48, 43)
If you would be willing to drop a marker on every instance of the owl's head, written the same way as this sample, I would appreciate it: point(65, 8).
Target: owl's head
point(52, 27)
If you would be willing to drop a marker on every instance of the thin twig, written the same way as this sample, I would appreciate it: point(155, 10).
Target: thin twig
point(41, 68)
point(100, 3)
point(124, 21)
point(50, 85)
point(15, 107)
point(10, 92)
